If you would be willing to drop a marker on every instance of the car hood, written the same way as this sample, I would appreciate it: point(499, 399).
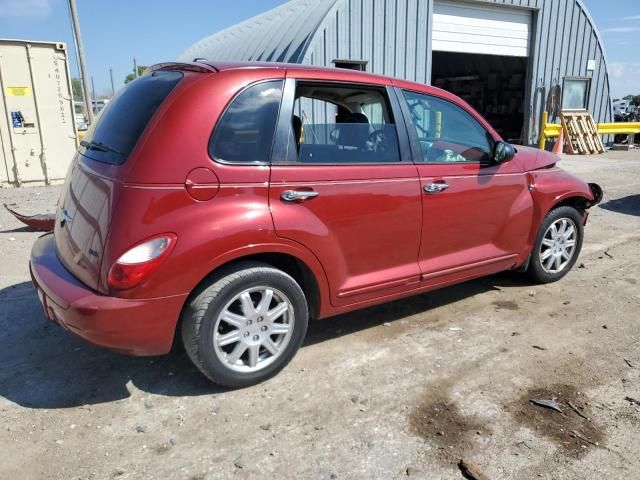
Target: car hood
point(531, 159)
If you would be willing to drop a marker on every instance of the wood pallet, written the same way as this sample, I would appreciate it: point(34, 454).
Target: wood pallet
point(581, 133)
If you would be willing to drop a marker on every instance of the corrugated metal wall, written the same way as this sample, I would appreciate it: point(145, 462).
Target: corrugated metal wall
point(393, 36)
point(278, 35)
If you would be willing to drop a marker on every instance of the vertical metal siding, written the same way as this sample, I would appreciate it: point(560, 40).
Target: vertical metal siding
point(396, 40)
point(394, 37)
point(391, 35)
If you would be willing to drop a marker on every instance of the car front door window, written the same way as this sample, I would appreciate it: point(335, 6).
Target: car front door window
point(446, 132)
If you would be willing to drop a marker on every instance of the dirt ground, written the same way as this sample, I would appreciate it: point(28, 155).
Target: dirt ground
point(405, 389)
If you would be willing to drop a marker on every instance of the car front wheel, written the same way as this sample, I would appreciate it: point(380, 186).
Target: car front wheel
point(245, 325)
point(557, 245)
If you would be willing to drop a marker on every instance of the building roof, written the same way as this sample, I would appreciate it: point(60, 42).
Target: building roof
point(279, 35)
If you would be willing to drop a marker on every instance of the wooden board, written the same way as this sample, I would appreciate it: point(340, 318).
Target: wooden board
point(581, 133)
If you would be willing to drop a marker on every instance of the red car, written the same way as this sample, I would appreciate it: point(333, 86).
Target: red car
point(234, 203)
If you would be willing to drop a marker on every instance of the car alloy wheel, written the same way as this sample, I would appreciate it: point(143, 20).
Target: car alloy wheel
point(558, 246)
point(253, 329)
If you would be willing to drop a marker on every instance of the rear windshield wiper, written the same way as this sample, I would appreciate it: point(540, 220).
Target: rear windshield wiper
point(99, 146)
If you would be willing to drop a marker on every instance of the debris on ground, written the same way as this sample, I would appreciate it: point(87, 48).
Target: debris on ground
point(240, 462)
point(552, 404)
point(579, 435)
point(471, 471)
point(606, 252)
point(632, 400)
point(538, 347)
point(578, 412)
point(42, 222)
point(630, 363)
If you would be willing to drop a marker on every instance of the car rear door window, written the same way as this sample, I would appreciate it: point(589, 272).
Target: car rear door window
point(245, 132)
point(120, 125)
point(446, 132)
point(342, 124)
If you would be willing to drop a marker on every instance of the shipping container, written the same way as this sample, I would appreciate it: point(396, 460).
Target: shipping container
point(37, 123)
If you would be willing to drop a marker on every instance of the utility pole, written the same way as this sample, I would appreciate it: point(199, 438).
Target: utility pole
point(113, 88)
point(94, 104)
point(135, 68)
point(77, 36)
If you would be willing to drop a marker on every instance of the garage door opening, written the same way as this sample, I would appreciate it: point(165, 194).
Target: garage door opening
point(494, 85)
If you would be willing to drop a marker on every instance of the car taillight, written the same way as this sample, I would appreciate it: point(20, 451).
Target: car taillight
point(137, 263)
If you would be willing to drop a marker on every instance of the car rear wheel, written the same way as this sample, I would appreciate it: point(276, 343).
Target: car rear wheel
point(557, 245)
point(245, 325)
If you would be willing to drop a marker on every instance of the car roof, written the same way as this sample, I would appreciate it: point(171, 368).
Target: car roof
point(308, 71)
point(328, 72)
point(312, 72)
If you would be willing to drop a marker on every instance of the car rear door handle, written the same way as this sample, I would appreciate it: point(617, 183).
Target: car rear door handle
point(432, 188)
point(298, 195)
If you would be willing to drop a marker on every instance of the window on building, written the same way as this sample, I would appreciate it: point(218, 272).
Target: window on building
point(359, 65)
point(245, 132)
point(446, 132)
point(575, 93)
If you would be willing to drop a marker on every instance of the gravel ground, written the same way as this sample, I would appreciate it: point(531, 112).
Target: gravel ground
point(405, 389)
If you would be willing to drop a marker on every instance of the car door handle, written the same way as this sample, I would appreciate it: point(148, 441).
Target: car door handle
point(298, 195)
point(432, 188)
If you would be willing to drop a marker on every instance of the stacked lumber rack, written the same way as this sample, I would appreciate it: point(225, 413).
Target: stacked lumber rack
point(581, 132)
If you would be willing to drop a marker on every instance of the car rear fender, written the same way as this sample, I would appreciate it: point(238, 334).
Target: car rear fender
point(279, 249)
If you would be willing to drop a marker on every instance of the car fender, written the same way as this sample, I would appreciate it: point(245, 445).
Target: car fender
point(277, 246)
point(551, 187)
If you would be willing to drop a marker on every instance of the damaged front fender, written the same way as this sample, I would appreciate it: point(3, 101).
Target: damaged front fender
point(597, 192)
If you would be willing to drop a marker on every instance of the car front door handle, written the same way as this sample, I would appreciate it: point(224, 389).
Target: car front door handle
point(298, 195)
point(432, 188)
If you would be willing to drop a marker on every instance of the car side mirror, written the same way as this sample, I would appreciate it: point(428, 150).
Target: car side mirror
point(503, 152)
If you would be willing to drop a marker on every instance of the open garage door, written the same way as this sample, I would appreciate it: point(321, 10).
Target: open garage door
point(480, 53)
point(466, 28)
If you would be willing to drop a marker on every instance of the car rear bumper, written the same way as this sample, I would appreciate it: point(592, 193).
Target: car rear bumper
point(132, 326)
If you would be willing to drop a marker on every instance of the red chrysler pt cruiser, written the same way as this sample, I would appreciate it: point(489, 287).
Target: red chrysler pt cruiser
point(234, 203)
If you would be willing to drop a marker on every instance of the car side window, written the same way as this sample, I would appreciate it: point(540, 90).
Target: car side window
point(446, 132)
point(342, 124)
point(244, 133)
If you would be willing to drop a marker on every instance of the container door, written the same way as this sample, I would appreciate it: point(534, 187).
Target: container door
point(55, 108)
point(38, 113)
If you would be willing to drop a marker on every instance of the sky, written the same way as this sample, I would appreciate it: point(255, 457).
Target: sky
point(153, 31)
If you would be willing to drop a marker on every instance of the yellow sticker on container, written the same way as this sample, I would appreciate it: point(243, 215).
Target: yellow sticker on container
point(18, 91)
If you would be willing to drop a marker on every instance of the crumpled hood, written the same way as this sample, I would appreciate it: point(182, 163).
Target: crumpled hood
point(531, 159)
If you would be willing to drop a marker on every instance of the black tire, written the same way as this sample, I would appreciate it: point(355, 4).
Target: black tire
point(535, 270)
point(206, 304)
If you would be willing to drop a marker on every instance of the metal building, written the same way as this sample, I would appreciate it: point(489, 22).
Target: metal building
point(510, 59)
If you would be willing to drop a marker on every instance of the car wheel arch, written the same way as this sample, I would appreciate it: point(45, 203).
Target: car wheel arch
point(308, 273)
point(578, 201)
point(575, 199)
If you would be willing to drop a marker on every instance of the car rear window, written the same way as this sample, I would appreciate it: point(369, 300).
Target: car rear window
point(119, 126)
point(245, 132)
